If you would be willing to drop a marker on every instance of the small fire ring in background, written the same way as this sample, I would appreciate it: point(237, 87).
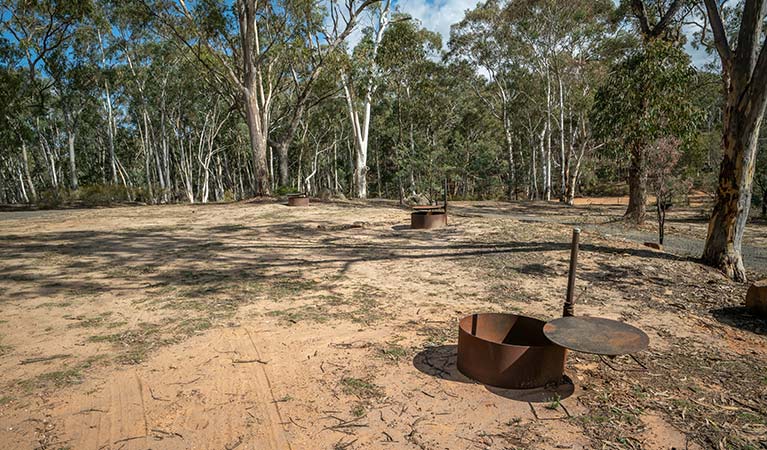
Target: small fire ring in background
point(298, 200)
point(427, 220)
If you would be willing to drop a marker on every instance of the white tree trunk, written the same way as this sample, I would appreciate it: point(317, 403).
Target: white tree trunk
point(547, 160)
point(361, 128)
point(27, 173)
point(563, 175)
point(21, 185)
point(110, 118)
point(72, 163)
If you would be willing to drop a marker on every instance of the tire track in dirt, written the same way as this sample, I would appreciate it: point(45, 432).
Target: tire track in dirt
point(114, 417)
point(248, 379)
point(127, 415)
point(217, 394)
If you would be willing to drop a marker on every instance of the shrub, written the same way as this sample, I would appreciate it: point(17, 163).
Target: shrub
point(102, 194)
point(51, 199)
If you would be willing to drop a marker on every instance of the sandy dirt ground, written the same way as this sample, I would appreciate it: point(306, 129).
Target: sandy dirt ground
point(258, 326)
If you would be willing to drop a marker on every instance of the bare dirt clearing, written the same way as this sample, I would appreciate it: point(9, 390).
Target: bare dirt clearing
point(334, 326)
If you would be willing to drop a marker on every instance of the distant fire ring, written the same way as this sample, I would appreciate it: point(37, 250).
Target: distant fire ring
point(298, 200)
point(427, 220)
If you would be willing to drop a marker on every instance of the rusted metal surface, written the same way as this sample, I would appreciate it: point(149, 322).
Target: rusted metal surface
point(508, 351)
point(596, 335)
point(430, 216)
point(298, 200)
point(518, 352)
point(426, 220)
point(569, 307)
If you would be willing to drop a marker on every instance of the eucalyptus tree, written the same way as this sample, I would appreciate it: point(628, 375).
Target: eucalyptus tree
point(319, 45)
point(505, 40)
point(655, 21)
point(404, 58)
point(74, 80)
point(37, 30)
point(646, 98)
point(484, 39)
point(744, 73)
point(362, 69)
point(246, 45)
point(14, 133)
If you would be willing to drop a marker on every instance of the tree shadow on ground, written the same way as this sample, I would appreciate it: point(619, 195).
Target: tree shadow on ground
point(742, 318)
point(441, 362)
point(220, 254)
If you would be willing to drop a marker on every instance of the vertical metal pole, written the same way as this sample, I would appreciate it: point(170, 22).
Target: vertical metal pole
point(445, 198)
point(569, 301)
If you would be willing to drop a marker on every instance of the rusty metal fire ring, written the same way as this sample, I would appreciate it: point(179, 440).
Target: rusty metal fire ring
point(298, 200)
point(427, 220)
point(508, 351)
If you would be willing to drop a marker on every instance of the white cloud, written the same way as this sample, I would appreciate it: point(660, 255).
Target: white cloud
point(437, 15)
point(700, 58)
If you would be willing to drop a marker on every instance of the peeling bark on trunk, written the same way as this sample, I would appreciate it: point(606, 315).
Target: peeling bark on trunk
point(733, 199)
point(257, 146)
point(744, 71)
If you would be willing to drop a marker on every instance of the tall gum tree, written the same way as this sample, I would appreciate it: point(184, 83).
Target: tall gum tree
point(503, 40)
point(744, 73)
point(487, 43)
point(41, 29)
point(658, 23)
point(360, 109)
point(246, 46)
point(318, 42)
point(646, 97)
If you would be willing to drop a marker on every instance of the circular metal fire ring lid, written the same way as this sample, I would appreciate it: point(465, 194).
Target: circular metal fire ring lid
point(596, 335)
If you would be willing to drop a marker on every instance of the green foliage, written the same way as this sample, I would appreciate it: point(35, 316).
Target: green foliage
point(760, 175)
point(178, 124)
point(647, 97)
point(89, 196)
point(102, 195)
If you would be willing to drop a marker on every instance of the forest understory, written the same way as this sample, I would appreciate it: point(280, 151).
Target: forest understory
point(254, 325)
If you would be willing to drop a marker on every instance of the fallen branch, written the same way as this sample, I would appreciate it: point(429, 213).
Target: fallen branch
point(167, 433)
point(43, 359)
point(154, 397)
point(294, 423)
point(188, 382)
point(341, 446)
point(128, 439)
point(248, 361)
point(90, 410)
